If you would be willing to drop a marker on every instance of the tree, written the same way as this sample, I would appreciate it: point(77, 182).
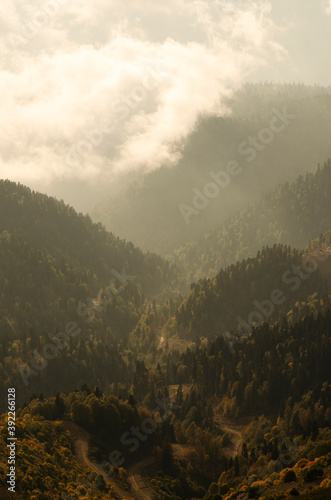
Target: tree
point(60, 406)
point(179, 395)
point(167, 455)
point(132, 401)
point(236, 466)
point(244, 450)
point(97, 392)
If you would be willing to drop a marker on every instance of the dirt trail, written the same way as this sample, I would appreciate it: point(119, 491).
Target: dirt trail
point(231, 428)
point(237, 441)
point(80, 439)
point(142, 491)
point(173, 342)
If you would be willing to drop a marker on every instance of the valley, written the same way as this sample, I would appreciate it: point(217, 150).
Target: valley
point(195, 366)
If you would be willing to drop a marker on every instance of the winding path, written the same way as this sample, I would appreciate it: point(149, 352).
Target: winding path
point(227, 426)
point(237, 441)
point(139, 486)
point(80, 439)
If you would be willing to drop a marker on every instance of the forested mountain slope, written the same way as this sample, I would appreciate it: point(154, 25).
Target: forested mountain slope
point(62, 329)
point(51, 226)
point(70, 293)
point(280, 375)
point(252, 291)
point(55, 323)
point(290, 214)
point(149, 213)
point(279, 282)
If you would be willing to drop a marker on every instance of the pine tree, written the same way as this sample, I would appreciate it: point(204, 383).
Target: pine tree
point(236, 467)
point(167, 455)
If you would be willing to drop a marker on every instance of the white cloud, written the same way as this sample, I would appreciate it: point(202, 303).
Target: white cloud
point(328, 7)
point(65, 72)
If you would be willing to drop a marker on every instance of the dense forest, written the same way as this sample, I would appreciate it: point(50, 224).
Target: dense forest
point(165, 250)
point(220, 393)
point(288, 442)
point(260, 289)
point(50, 226)
point(291, 214)
point(279, 282)
point(61, 273)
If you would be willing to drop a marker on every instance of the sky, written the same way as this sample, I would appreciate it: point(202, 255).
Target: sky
point(93, 94)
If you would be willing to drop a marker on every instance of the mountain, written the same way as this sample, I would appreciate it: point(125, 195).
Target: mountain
point(251, 292)
point(51, 226)
point(290, 214)
point(253, 417)
point(272, 134)
point(69, 291)
point(278, 283)
point(223, 394)
point(228, 415)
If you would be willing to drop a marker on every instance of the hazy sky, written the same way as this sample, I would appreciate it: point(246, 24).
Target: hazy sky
point(94, 90)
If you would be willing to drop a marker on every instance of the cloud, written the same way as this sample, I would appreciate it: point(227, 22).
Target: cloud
point(328, 7)
point(90, 90)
